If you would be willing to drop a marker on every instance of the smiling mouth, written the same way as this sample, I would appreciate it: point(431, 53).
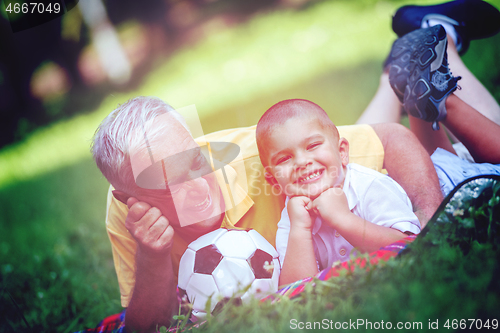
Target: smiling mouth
point(204, 204)
point(310, 177)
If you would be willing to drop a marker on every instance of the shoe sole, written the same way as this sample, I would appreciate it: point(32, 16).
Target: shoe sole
point(399, 62)
point(425, 59)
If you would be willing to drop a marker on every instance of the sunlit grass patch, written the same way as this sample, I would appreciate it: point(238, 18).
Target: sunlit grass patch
point(272, 52)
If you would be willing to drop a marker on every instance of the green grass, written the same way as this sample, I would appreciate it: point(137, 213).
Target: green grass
point(55, 258)
point(438, 284)
point(450, 272)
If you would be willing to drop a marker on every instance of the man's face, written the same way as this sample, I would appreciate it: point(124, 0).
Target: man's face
point(305, 158)
point(180, 182)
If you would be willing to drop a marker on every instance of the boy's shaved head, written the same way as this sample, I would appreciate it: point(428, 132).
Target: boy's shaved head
point(280, 112)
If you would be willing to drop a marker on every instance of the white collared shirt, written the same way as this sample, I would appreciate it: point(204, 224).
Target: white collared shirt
point(373, 196)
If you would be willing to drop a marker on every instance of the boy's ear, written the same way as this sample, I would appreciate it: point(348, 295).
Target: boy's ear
point(344, 151)
point(121, 196)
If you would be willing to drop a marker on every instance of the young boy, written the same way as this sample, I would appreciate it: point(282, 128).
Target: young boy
point(332, 206)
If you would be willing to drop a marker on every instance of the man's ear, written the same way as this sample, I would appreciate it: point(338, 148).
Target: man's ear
point(121, 196)
point(344, 151)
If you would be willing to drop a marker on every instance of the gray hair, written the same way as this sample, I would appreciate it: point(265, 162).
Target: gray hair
point(122, 130)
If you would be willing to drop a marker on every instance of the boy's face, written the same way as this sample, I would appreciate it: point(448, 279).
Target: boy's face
point(306, 158)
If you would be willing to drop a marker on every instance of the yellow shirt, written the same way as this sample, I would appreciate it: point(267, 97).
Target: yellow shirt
point(260, 207)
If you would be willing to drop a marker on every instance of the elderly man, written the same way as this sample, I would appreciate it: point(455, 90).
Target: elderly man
point(166, 193)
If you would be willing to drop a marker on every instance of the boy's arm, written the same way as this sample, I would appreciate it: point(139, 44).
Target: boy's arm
point(364, 235)
point(300, 261)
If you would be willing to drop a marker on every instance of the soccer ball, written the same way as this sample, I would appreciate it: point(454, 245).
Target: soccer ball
point(225, 264)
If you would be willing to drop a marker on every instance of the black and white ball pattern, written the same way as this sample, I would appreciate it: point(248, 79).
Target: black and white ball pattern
point(225, 264)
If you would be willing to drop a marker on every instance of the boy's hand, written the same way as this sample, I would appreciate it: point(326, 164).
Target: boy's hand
point(299, 211)
point(299, 259)
point(332, 205)
point(151, 230)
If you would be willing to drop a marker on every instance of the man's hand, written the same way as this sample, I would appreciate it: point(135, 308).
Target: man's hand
point(299, 211)
point(332, 206)
point(151, 230)
point(154, 299)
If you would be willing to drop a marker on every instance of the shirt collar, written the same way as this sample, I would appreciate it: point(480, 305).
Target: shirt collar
point(350, 192)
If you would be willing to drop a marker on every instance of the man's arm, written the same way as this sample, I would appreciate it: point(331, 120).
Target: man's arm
point(409, 164)
point(154, 299)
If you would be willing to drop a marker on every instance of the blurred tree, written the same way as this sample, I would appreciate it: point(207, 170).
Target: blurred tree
point(64, 42)
point(21, 54)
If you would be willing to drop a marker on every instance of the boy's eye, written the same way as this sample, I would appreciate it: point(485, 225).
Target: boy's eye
point(313, 145)
point(282, 160)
